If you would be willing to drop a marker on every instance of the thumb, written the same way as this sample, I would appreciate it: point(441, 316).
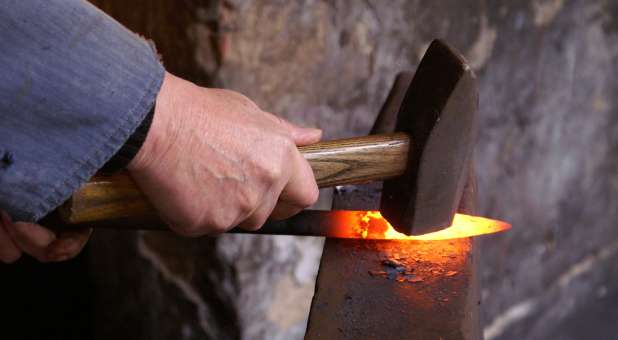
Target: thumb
point(302, 135)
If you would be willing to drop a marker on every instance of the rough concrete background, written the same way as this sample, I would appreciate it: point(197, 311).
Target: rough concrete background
point(547, 158)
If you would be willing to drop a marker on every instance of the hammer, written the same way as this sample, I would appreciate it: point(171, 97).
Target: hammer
point(423, 163)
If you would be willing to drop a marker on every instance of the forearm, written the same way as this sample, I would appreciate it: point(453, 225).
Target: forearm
point(74, 85)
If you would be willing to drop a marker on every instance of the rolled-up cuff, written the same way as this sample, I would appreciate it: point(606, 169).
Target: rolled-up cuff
point(75, 85)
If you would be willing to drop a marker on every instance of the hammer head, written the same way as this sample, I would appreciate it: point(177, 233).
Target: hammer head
point(438, 111)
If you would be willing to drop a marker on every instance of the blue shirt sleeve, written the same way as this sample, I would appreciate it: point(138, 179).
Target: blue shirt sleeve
point(74, 85)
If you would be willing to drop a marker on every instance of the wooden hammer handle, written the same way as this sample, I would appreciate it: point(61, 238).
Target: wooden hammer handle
point(345, 161)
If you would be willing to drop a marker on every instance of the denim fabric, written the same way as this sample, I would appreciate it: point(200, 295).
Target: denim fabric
point(74, 85)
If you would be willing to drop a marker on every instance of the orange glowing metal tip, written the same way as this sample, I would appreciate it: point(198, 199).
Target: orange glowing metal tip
point(371, 225)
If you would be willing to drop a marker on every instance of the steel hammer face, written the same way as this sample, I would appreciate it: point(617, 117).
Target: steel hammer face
point(438, 111)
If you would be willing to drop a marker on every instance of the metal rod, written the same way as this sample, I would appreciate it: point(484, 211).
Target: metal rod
point(305, 223)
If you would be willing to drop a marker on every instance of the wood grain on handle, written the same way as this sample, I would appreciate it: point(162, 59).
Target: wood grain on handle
point(345, 161)
point(358, 160)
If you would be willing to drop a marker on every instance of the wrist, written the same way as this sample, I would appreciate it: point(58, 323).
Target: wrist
point(131, 147)
point(139, 149)
point(153, 140)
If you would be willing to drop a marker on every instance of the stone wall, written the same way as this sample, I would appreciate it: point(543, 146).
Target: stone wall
point(547, 158)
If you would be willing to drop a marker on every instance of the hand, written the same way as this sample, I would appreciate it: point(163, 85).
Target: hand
point(213, 160)
point(39, 242)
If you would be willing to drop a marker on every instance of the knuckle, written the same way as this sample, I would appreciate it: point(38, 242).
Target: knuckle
point(309, 198)
point(241, 98)
point(272, 173)
point(255, 222)
point(272, 167)
point(247, 201)
point(221, 222)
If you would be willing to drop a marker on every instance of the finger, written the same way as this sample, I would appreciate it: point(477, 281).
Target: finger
point(284, 210)
point(32, 238)
point(300, 135)
point(9, 252)
point(256, 220)
point(306, 136)
point(289, 204)
point(301, 190)
point(67, 245)
point(260, 215)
